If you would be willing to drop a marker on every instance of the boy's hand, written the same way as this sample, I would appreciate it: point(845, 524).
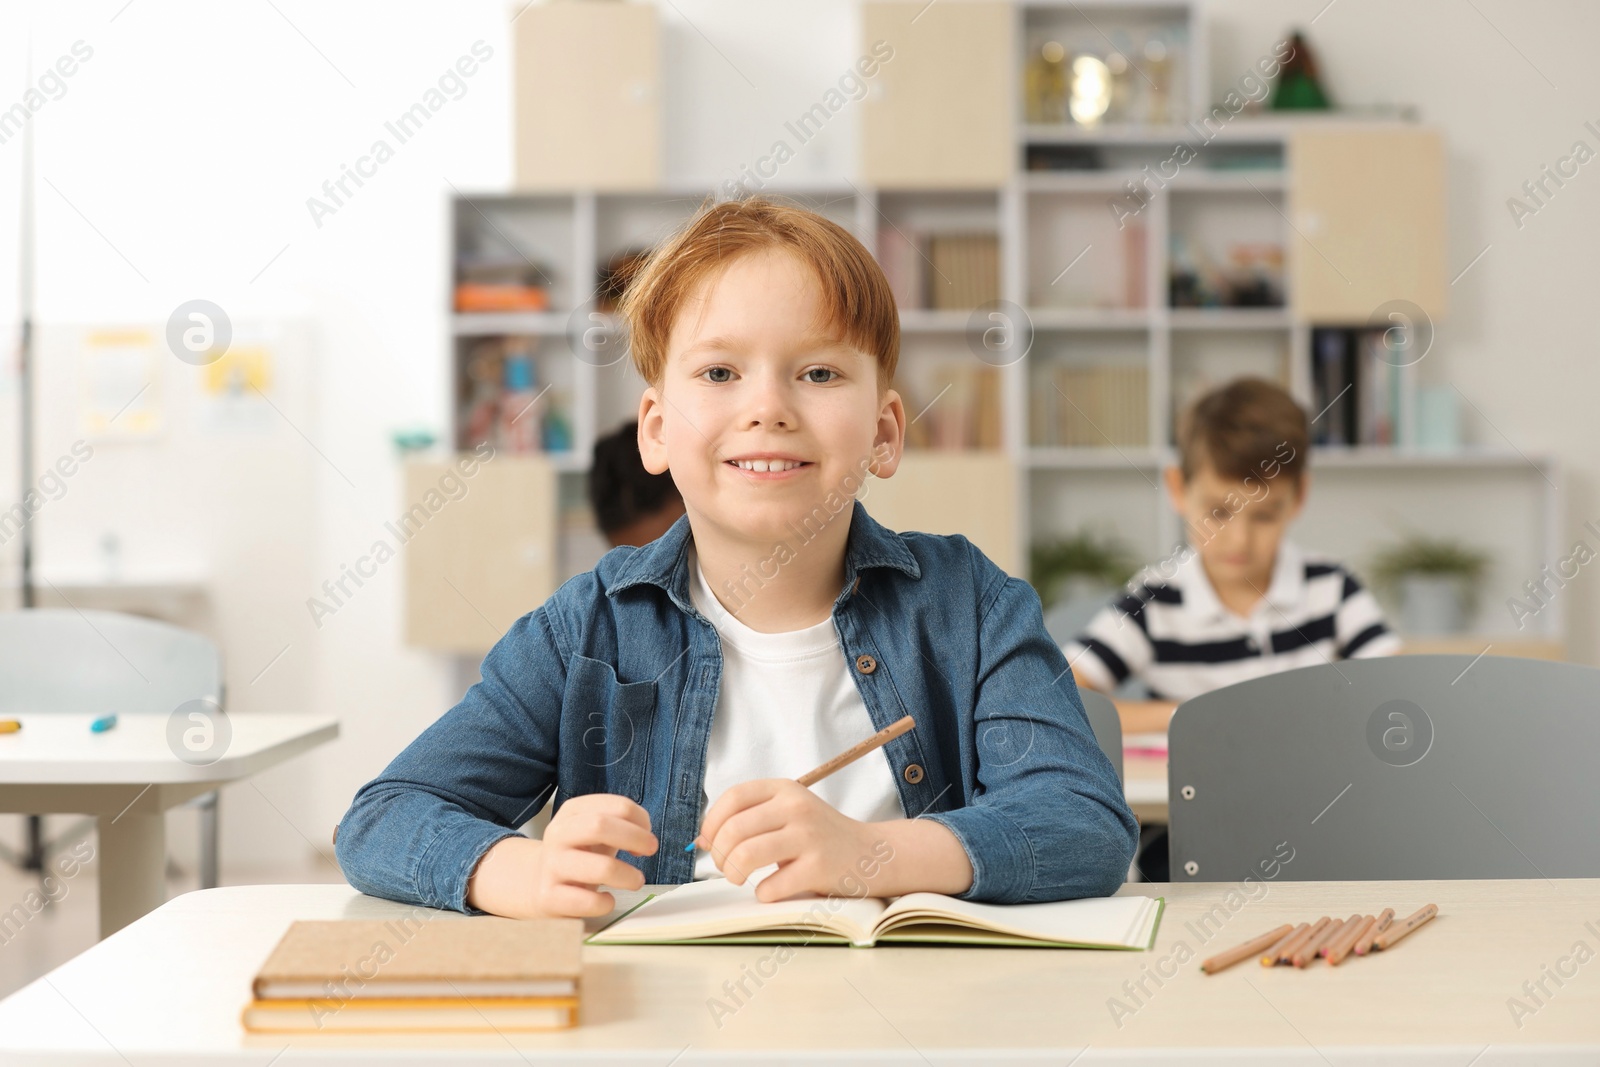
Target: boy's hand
point(560, 875)
point(580, 854)
point(778, 820)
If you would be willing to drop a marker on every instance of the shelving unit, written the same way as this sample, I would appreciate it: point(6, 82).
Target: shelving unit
point(1089, 284)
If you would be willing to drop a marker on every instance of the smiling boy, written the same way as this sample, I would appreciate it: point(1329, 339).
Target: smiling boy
point(672, 695)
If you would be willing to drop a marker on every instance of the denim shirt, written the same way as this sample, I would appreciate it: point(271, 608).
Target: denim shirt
point(610, 686)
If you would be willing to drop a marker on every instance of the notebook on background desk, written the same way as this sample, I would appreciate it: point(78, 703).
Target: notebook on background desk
point(716, 912)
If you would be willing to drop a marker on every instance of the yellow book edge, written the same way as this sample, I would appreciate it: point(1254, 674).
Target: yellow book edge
point(492, 1007)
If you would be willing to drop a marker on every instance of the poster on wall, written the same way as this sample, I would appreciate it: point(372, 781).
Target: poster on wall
point(235, 391)
point(119, 385)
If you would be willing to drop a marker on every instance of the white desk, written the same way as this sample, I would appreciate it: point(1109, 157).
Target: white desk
point(169, 988)
point(1144, 784)
point(128, 777)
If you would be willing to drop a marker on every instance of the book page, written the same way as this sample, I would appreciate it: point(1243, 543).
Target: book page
point(1097, 922)
point(716, 907)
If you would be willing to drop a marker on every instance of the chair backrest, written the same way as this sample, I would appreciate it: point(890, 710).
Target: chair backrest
point(1105, 723)
point(1407, 767)
point(61, 660)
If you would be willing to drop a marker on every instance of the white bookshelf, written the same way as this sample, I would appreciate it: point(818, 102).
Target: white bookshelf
point(1361, 497)
point(1064, 487)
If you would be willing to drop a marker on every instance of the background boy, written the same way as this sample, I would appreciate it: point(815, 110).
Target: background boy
point(678, 689)
point(631, 505)
point(1240, 600)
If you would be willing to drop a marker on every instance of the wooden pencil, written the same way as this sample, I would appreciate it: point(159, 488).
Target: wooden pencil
point(1338, 952)
point(856, 751)
point(1273, 955)
point(1391, 937)
point(1308, 951)
point(1223, 960)
point(1299, 942)
point(1364, 942)
point(1346, 932)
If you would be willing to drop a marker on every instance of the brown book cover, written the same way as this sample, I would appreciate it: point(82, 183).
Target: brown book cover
point(485, 956)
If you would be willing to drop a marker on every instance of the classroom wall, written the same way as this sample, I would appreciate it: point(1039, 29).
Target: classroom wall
point(183, 152)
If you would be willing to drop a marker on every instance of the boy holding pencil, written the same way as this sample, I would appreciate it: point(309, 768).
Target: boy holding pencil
point(672, 695)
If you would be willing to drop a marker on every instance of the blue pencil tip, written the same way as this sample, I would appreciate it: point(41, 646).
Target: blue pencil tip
point(689, 847)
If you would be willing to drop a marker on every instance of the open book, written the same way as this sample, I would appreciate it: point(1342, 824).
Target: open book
point(717, 912)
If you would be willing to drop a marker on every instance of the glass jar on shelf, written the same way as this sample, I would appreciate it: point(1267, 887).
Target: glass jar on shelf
point(1045, 84)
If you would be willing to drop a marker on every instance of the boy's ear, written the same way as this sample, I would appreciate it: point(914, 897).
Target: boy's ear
point(1177, 488)
point(889, 444)
point(652, 431)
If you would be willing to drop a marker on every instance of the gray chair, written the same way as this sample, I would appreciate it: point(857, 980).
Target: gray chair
point(1106, 724)
point(1408, 767)
point(100, 662)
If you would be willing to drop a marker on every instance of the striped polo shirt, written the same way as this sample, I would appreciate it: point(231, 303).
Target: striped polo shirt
point(1176, 637)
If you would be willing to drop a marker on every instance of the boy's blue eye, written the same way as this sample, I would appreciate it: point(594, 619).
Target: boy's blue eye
point(819, 370)
point(713, 373)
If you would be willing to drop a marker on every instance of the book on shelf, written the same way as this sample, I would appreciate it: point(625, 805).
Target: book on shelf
point(961, 410)
point(483, 973)
point(1359, 389)
point(966, 270)
point(716, 912)
point(902, 263)
point(487, 284)
point(942, 271)
point(1095, 406)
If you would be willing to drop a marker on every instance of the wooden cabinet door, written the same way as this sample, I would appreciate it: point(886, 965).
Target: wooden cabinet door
point(588, 96)
point(938, 113)
point(1368, 207)
point(480, 550)
point(971, 493)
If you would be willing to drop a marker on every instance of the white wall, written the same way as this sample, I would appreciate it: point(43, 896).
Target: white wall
point(192, 138)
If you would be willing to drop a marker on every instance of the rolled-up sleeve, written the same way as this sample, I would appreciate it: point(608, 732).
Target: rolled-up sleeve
point(1047, 819)
point(483, 769)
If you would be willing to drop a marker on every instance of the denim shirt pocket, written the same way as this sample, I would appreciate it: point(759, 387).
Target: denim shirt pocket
point(605, 731)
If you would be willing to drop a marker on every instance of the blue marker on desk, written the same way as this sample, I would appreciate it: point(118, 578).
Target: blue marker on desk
point(103, 723)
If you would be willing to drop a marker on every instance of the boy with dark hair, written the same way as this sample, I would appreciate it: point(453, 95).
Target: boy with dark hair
point(631, 505)
point(1239, 600)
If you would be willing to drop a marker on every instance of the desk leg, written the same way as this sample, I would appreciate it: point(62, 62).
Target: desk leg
point(133, 867)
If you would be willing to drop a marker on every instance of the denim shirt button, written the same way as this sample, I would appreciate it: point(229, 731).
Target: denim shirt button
point(866, 664)
point(913, 773)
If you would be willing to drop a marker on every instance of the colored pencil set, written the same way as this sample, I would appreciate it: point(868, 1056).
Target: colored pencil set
point(1332, 939)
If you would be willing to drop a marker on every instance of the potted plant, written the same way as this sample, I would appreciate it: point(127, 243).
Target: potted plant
point(1435, 581)
point(1075, 576)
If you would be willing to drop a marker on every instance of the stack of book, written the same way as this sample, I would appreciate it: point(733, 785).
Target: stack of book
point(1076, 406)
point(483, 973)
point(945, 271)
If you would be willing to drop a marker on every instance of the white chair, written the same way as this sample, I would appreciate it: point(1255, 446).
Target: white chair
point(101, 662)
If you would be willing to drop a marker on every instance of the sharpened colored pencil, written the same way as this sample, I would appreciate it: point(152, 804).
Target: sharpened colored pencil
point(1223, 960)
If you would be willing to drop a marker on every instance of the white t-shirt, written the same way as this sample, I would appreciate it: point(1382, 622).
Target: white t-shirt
point(787, 703)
